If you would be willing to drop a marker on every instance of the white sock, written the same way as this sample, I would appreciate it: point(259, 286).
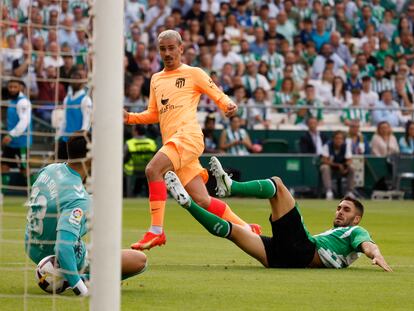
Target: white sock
point(156, 229)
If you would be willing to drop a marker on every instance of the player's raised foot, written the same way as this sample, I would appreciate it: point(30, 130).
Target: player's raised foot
point(223, 188)
point(176, 189)
point(256, 228)
point(150, 240)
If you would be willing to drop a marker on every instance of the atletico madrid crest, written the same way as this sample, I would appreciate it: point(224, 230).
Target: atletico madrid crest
point(180, 82)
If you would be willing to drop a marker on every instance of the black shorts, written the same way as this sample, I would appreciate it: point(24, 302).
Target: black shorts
point(15, 154)
point(289, 247)
point(62, 150)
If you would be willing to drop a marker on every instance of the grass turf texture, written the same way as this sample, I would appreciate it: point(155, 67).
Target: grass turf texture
point(197, 271)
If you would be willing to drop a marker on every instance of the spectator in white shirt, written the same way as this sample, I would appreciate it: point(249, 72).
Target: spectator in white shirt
point(210, 6)
point(260, 109)
point(156, 16)
point(227, 56)
point(384, 142)
point(135, 101)
point(387, 110)
point(67, 34)
point(253, 80)
point(53, 57)
point(368, 97)
point(134, 13)
point(9, 54)
point(320, 61)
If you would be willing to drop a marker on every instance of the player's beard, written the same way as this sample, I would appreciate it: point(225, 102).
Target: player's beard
point(344, 223)
point(14, 96)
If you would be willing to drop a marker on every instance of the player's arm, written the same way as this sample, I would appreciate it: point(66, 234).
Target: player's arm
point(148, 116)
point(348, 154)
point(325, 157)
point(60, 131)
point(23, 111)
point(206, 85)
point(67, 260)
point(371, 250)
point(223, 144)
point(86, 109)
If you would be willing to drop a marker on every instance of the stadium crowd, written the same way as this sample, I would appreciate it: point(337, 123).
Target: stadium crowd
point(344, 64)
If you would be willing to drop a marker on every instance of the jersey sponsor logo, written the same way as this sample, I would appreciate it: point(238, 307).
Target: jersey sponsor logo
point(180, 82)
point(76, 216)
point(164, 101)
point(169, 107)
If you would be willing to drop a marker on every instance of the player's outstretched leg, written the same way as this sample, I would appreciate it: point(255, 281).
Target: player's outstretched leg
point(248, 241)
point(214, 224)
point(262, 188)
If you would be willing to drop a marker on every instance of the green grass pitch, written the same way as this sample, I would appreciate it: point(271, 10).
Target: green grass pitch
point(197, 271)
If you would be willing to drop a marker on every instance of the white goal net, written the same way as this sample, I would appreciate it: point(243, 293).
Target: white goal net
point(60, 71)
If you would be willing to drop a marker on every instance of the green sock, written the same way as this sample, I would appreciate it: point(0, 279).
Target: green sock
point(263, 188)
point(214, 224)
point(5, 179)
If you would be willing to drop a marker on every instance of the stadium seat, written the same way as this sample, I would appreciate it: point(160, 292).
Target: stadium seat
point(275, 146)
point(402, 168)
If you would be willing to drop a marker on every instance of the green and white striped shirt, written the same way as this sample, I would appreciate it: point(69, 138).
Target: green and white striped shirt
point(284, 99)
point(312, 112)
point(274, 61)
point(232, 136)
point(381, 85)
point(355, 113)
point(340, 247)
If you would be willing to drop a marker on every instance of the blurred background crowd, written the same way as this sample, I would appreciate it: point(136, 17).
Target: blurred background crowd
point(309, 65)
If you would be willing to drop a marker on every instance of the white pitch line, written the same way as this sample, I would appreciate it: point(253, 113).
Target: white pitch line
point(42, 296)
point(12, 230)
point(30, 266)
point(10, 214)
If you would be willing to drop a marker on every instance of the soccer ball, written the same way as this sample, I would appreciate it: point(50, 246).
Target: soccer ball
point(48, 276)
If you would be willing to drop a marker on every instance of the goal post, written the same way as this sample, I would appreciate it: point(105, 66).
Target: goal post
point(107, 134)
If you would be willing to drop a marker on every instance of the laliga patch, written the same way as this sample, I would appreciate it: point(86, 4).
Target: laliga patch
point(76, 216)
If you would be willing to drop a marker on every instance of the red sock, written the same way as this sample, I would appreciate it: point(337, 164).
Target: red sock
point(222, 210)
point(217, 207)
point(157, 199)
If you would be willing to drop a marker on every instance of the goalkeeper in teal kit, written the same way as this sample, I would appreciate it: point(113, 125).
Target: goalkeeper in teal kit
point(57, 218)
point(291, 245)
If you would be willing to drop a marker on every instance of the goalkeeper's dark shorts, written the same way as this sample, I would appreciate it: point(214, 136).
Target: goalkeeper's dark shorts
point(290, 246)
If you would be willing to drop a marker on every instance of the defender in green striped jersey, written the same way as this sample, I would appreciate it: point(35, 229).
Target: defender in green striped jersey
point(291, 246)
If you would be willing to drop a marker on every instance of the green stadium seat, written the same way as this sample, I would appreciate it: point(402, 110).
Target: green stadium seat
point(402, 168)
point(272, 145)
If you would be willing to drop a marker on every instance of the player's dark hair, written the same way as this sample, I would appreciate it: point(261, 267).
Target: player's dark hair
point(234, 117)
point(77, 145)
point(336, 133)
point(16, 80)
point(358, 205)
point(140, 129)
point(407, 129)
point(176, 11)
